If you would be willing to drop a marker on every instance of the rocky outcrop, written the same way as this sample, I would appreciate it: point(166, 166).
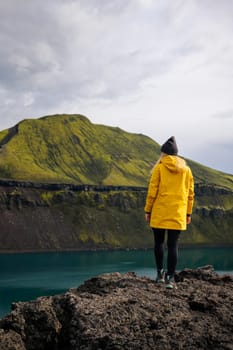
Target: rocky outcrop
point(201, 189)
point(123, 311)
point(67, 186)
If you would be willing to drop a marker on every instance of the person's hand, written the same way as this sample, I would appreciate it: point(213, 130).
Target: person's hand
point(147, 217)
point(188, 220)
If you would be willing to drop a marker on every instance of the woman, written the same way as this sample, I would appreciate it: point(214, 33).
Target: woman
point(168, 207)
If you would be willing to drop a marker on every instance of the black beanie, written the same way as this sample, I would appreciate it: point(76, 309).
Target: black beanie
point(170, 147)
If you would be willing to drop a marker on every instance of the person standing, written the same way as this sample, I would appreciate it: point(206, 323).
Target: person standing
point(168, 207)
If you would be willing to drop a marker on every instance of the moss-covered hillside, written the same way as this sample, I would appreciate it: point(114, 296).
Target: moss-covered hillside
point(71, 149)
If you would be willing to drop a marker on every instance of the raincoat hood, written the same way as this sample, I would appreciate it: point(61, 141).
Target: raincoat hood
point(174, 164)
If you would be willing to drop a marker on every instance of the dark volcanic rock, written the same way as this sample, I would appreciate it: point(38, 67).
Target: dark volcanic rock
point(123, 311)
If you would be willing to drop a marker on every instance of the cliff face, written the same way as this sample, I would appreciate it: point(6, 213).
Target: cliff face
point(41, 220)
point(115, 311)
point(40, 217)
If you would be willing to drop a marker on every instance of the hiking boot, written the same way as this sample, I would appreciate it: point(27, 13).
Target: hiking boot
point(160, 276)
point(170, 282)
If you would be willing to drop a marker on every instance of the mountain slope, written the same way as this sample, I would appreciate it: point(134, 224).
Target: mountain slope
point(71, 149)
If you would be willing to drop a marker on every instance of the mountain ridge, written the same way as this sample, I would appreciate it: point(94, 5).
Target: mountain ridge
point(70, 148)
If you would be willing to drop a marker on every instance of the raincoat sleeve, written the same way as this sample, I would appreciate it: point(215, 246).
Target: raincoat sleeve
point(190, 194)
point(152, 189)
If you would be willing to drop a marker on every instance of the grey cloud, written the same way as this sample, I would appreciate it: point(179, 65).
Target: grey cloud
point(26, 28)
point(222, 156)
point(85, 59)
point(216, 155)
point(224, 115)
point(105, 6)
point(29, 23)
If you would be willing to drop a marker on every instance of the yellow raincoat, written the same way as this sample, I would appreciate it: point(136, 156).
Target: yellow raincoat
point(170, 194)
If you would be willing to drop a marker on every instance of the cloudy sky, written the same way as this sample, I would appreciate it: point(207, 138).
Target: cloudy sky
point(156, 67)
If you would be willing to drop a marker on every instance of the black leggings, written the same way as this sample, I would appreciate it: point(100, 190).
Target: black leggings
point(172, 249)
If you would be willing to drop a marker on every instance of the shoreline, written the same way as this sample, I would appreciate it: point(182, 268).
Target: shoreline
point(95, 250)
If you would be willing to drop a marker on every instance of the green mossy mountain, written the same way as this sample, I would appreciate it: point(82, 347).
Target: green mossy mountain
point(71, 149)
point(69, 184)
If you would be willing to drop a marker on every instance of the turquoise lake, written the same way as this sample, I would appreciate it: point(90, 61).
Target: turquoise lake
point(27, 276)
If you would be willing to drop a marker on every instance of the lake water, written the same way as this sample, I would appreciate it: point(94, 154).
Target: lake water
point(27, 276)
